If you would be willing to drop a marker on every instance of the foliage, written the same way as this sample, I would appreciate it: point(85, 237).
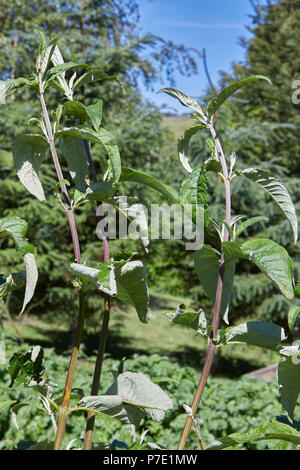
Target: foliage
point(116, 50)
point(77, 128)
point(228, 405)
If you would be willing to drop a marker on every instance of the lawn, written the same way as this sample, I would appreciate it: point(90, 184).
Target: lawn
point(129, 338)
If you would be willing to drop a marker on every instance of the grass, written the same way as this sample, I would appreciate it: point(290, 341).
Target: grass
point(128, 338)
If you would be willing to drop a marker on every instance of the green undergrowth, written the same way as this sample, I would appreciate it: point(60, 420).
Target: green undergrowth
point(228, 405)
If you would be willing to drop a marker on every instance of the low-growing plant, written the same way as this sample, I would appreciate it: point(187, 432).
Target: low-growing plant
point(227, 406)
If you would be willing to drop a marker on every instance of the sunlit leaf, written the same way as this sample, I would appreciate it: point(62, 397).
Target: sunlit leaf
point(29, 152)
point(274, 188)
point(224, 94)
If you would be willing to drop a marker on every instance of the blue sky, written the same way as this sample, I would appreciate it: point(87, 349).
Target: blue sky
point(215, 25)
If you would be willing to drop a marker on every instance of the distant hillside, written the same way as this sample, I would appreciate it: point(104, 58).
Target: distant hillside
point(177, 124)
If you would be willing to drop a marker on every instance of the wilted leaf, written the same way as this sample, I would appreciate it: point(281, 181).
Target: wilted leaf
point(190, 318)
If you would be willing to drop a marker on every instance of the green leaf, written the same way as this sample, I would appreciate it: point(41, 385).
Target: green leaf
point(268, 431)
point(6, 404)
point(134, 176)
point(45, 55)
point(183, 98)
point(112, 152)
point(131, 279)
point(74, 153)
point(14, 411)
point(138, 390)
point(224, 94)
point(193, 191)
point(95, 114)
point(274, 188)
point(42, 47)
point(76, 110)
point(293, 313)
point(183, 144)
point(190, 318)
point(28, 152)
point(126, 280)
point(129, 399)
point(289, 383)
point(274, 261)
point(103, 137)
point(44, 445)
point(59, 70)
point(24, 367)
point(102, 278)
point(207, 265)
point(16, 228)
point(101, 191)
point(31, 279)
point(137, 216)
point(112, 406)
point(263, 334)
point(213, 165)
point(12, 282)
point(94, 75)
point(12, 84)
point(244, 225)
point(57, 58)
point(297, 290)
point(233, 251)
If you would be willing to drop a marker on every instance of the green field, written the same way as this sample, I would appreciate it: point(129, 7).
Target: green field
point(177, 124)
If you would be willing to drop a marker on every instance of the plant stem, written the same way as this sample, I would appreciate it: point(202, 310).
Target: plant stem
point(97, 374)
point(64, 409)
point(63, 187)
point(217, 307)
point(104, 332)
point(190, 413)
